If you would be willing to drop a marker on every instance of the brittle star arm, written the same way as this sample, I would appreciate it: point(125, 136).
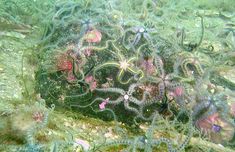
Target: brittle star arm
point(132, 88)
point(136, 101)
point(130, 69)
point(147, 37)
point(113, 90)
point(136, 39)
point(107, 64)
point(102, 48)
point(131, 30)
point(128, 107)
point(84, 106)
point(133, 99)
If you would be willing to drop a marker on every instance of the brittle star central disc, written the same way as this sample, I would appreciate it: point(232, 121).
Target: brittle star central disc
point(126, 97)
point(141, 30)
point(124, 65)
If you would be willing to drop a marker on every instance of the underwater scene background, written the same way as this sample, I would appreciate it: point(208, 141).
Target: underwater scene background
point(117, 75)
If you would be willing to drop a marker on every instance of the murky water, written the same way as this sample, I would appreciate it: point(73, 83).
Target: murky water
point(115, 76)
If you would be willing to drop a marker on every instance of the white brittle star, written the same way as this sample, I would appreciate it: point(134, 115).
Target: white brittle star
point(124, 65)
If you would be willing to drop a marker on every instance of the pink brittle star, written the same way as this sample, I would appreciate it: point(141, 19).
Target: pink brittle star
point(148, 66)
point(165, 83)
point(163, 80)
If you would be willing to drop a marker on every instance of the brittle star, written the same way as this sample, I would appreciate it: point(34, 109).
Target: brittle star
point(123, 64)
point(190, 65)
point(140, 32)
point(125, 97)
point(165, 83)
point(147, 142)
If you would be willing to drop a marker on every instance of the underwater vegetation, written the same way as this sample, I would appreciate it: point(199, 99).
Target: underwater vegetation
point(100, 75)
